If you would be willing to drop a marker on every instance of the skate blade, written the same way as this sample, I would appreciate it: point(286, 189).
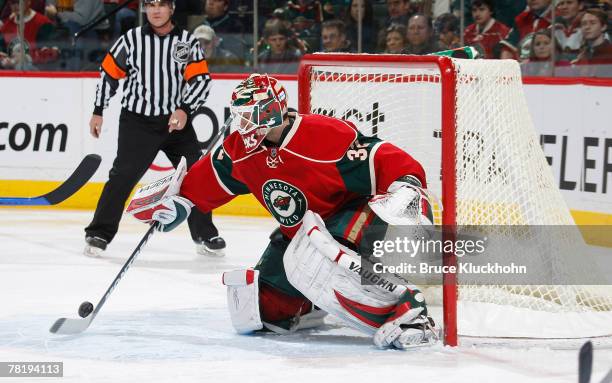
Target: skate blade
point(92, 252)
point(203, 250)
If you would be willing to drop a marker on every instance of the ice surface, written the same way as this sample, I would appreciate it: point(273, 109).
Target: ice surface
point(167, 321)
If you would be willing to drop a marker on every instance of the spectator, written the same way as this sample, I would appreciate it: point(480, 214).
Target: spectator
point(38, 31)
point(83, 13)
point(486, 32)
point(18, 59)
point(505, 51)
point(540, 58)
point(185, 8)
point(333, 37)
point(398, 12)
point(505, 10)
point(395, 39)
point(87, 47)
point(219, 18)
point(219, 59)
point(446, 27)
point(5, 8)
point(368, 25)
point(536, 17)
point(597, 49)
point(333, 9)
point(306, 17)
point(280, 55)
point(567, 28)
point(420, 36)
point(230, 30)
point(125, 19)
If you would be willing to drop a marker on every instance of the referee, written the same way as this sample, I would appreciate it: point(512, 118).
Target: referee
point(166, 78)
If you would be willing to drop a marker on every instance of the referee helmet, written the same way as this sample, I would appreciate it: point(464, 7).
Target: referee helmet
point(171, 2)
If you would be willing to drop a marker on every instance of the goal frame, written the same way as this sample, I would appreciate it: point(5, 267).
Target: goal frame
point(448, 148)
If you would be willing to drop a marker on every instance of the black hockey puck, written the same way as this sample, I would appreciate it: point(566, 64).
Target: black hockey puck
point(85, 309)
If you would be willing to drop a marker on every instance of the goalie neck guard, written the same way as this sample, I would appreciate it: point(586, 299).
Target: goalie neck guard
point(259, 104)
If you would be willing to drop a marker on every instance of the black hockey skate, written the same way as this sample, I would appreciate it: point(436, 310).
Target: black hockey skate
point(212, 247)
point(94, 246)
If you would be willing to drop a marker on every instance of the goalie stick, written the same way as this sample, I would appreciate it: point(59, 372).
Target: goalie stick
point(66, 326)
point(77, 179)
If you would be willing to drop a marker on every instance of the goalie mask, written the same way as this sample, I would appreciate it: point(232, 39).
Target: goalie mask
point(259, 104)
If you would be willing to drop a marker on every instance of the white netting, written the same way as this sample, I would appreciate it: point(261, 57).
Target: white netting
point(502, 178)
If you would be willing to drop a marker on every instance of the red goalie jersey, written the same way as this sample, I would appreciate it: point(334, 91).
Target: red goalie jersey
point(321, 164)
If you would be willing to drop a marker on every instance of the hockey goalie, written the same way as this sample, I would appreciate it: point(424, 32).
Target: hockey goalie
point(325, 183)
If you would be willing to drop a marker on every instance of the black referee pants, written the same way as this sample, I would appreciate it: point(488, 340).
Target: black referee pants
point(140, 139)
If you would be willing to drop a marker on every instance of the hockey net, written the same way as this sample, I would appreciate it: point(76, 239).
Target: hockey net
point(467, 123)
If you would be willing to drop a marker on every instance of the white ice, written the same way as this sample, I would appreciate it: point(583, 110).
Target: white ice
point(167, 319)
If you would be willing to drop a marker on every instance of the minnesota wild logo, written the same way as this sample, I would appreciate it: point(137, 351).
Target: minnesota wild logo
point(286, 202)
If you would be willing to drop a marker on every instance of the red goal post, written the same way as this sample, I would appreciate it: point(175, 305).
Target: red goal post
point(448, 79)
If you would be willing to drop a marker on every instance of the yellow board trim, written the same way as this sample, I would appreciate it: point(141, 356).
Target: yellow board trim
point(246, 205)
point(87, 197)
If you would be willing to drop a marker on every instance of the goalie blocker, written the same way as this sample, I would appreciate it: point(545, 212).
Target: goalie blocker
point(159, 201)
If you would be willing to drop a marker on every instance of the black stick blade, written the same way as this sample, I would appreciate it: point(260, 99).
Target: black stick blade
point(585, 362)
point(77, 179)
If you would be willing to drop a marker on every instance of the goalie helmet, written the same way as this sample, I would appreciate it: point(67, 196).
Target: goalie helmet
point(259, 104)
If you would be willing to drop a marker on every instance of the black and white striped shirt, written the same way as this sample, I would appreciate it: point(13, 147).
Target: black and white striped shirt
point(162, 73)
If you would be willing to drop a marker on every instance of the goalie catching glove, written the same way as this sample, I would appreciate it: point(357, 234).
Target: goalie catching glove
point(159, 201)
point(405, 203)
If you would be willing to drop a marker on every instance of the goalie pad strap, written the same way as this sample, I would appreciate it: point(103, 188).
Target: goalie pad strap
point(239, 277)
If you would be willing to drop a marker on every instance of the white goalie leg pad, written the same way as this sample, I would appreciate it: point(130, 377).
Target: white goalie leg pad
point(243, 299)
point(327, 273)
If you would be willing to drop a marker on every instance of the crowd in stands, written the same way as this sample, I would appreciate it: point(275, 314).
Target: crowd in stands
point(547, 37)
